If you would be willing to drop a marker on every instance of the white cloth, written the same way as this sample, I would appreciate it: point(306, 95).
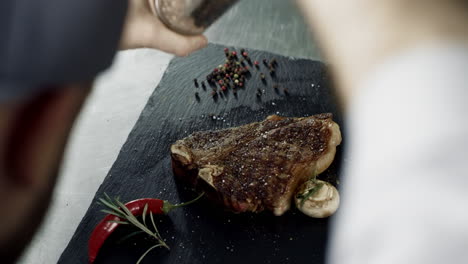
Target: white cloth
point(405, 186)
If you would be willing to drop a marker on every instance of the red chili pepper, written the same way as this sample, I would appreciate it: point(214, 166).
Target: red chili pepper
point(105, 228)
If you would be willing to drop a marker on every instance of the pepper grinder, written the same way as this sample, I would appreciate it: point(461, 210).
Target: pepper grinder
point(191, 17)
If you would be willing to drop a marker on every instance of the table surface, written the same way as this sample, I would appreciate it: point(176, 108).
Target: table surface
point(120, 94)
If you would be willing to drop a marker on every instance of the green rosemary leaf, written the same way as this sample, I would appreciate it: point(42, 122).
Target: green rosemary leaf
point(123, 239)
point(133, 220)
point(310, 193)
point(107, 198)
point(112, 213)
point(109, 205)
point(118, 222)
point(154, 225)
point(145, 209)
point(124, 209)
point(148, 251)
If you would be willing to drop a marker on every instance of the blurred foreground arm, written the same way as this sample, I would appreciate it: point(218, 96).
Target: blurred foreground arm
point(400, 66)
point(358, 35)
point(143, 29)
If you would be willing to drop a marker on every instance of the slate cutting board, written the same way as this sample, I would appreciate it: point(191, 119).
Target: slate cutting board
point(203, 233)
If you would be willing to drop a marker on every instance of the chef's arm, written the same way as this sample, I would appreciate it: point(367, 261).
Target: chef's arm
point(358, 35)
point(401, 68)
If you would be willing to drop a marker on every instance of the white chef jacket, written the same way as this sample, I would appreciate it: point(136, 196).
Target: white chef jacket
point(405, 187)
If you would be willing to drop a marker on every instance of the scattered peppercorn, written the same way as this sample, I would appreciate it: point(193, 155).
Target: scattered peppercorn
point(272, 71)
point(274, 62)
point(234, 72)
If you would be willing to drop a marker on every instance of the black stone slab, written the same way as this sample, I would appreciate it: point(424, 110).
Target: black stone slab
point(203, 233)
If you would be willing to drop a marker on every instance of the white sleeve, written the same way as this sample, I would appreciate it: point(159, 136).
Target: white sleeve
point(405, 186)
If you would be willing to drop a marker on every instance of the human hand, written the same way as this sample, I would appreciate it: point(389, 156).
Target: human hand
point(143, 29)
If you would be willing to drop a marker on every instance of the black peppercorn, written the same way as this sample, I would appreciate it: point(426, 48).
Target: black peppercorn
point(272, 72)
point(274, 62)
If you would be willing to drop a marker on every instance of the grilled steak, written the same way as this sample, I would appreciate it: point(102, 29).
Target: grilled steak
point(260, 165)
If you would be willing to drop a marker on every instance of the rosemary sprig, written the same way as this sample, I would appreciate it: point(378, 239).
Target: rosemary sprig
point(305, 196)
point(117, 208)
point(120, 241)
point(147, 251)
